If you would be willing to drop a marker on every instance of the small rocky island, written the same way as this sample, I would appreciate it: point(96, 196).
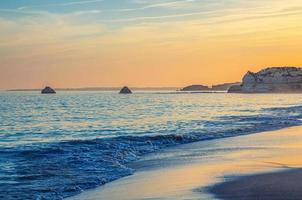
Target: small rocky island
point(48, 90)
point(195, 88)
point(219, 87)
point(271, 80)
point(125, 90)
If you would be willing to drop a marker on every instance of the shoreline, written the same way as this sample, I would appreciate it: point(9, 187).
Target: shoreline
point(188, 170)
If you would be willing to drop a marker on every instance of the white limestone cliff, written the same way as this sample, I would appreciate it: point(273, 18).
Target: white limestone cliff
point(271, 80)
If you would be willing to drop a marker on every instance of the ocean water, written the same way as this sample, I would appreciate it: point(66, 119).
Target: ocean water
point(55, 146)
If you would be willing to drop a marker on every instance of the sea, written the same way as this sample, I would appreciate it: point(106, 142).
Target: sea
point(56, 146)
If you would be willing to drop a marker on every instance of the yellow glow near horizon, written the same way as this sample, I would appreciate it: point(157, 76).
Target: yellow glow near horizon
point(51, 49)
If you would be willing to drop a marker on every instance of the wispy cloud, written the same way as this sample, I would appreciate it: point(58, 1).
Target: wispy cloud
point(61, 4)
point(158, 17)
point(209, 16)
point(31, 12)
point(170, 4)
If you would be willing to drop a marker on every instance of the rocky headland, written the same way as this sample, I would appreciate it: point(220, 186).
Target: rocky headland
point(219, 87)
point(271, 80)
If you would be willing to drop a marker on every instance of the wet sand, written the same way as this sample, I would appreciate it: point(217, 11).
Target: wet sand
point(279, 185)
point(190, 171)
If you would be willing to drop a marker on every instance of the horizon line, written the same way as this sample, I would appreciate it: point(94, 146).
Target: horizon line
point(115, 87)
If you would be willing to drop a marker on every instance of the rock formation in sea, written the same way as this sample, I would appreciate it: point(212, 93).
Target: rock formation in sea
point(48, 90)
point(125, 90)
point(195, 88)
point(271, 80)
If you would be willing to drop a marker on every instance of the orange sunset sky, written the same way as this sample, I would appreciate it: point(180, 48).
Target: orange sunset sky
point(144, 43)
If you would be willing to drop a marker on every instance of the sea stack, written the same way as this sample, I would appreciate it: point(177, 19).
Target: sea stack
point(48, 90)
point(271, 80)
point(125, 90)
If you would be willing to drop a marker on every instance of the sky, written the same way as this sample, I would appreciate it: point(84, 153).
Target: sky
point(144, 43)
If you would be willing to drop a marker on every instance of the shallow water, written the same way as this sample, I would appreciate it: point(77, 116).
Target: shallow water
point(54, 146)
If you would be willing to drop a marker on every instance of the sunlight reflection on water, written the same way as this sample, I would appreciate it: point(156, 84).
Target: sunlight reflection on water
point(31, 117)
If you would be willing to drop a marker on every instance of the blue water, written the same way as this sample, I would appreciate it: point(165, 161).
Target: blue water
point(55, 146)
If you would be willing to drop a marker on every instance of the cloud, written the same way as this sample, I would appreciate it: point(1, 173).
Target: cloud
point(61, 4)
point(85, 12)
point(169, 4)
point(32, 13)
point(45, 29)
point(49, 28)
point(210, 16)
point(157, 17)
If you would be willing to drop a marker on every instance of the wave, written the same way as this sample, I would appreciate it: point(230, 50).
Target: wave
point(58, 170)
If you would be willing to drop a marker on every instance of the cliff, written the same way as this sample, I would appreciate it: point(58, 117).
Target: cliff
point(271, 80)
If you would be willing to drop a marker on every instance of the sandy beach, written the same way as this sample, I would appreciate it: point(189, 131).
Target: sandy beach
point(277, 185)
point(225, 168)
